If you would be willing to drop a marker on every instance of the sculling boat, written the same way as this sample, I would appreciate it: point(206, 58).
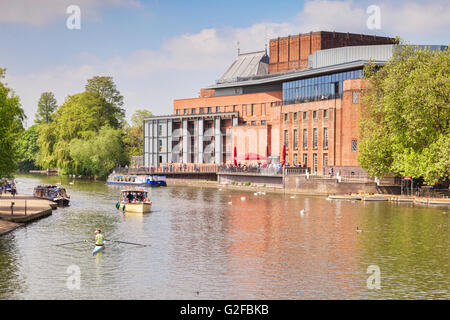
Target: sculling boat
point(97, 249)
point(134, 200)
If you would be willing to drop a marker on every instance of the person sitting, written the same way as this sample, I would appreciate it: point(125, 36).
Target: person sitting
point(130, 197)
point(99, 238)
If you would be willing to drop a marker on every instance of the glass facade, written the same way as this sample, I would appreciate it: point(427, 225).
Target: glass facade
point(317, 88)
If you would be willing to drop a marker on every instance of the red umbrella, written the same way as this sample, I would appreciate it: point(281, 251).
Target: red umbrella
point(235, 156)
point(283, 161)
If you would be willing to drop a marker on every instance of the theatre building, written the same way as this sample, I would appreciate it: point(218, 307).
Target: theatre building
point(302, 99)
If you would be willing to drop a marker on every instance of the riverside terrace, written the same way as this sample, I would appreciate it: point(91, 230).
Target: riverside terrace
point(272, 177)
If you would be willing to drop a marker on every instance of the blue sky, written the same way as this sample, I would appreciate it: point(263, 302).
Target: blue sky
point(158, 51)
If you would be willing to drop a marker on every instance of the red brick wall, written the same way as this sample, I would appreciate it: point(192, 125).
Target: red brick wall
point(289, 53)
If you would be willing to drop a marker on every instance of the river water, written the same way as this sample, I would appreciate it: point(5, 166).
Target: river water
point(206, 243)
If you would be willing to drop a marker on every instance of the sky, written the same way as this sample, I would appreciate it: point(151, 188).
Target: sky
point(157, 51)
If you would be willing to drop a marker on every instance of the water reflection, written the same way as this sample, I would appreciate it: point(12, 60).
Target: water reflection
point(203, 247)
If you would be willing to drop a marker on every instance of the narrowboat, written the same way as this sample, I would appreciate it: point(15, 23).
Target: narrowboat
point(149, 180)
point(53, 193)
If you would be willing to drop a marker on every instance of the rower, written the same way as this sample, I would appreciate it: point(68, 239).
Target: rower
point(99, 238)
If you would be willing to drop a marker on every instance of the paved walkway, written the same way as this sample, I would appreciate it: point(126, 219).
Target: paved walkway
point(7, 226)
point(26, 208)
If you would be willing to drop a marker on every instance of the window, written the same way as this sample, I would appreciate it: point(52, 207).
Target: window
point(245, 108)
point(160, 142)
point(286, 117)
point(253, 111)
point(315, 138)
point(295, 139)
point(355, 97)
point(354, 145)
point(315, 162)
point(325, 138)
point(263, 122)
point(325, 160)
point(305, 159)
point(295, 116)
point(217, 109)
point(295, 159)
point(185, 111)
point(264, 108)
point(178, 112)
point(201, 110)
point(193, 111)
point(234, 108)
point(286, 138)
point(253, 123)
point(209, 109)
point(305, 115)
point(325, 114)
point(315, 115)
point(305, 138)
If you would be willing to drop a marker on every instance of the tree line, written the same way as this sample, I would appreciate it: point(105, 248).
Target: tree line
point(86, 136)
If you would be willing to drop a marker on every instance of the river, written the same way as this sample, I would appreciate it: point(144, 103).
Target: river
point(206, 243)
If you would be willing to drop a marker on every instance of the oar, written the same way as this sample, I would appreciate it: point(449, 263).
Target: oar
point(63, 244)
point(132, 243)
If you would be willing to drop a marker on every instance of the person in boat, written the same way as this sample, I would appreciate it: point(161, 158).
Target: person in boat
point(99, 238)
point(130, 197)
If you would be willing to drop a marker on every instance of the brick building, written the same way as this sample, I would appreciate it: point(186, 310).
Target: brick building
point(303, 96)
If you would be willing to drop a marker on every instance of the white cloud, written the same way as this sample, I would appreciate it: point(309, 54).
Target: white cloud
point(184, 64)
point(43, 12)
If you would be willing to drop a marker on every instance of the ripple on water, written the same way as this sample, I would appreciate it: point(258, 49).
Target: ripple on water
point(203, 247)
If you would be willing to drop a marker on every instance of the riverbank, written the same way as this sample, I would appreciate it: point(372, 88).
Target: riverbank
point(364, 196)
point(23, 209)
point(7, 226)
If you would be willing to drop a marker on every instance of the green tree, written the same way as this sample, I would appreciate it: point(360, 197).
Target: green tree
point(46, 106)
point(28, 149)
point(80, 118)
point(11, 117)
point(97, 156)
point(404, 127)
point(137, 119)
point(134, 135)
point(106, 88)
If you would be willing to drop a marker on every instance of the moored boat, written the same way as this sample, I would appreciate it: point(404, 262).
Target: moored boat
point(374, 198)
point(344, 197)
point(134, 200)
point(53, 193)
point(148, 180)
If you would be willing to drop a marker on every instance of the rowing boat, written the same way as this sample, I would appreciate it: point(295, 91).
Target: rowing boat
point(97, 249)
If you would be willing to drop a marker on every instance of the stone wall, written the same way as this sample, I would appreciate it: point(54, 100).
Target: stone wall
point(255, 180)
